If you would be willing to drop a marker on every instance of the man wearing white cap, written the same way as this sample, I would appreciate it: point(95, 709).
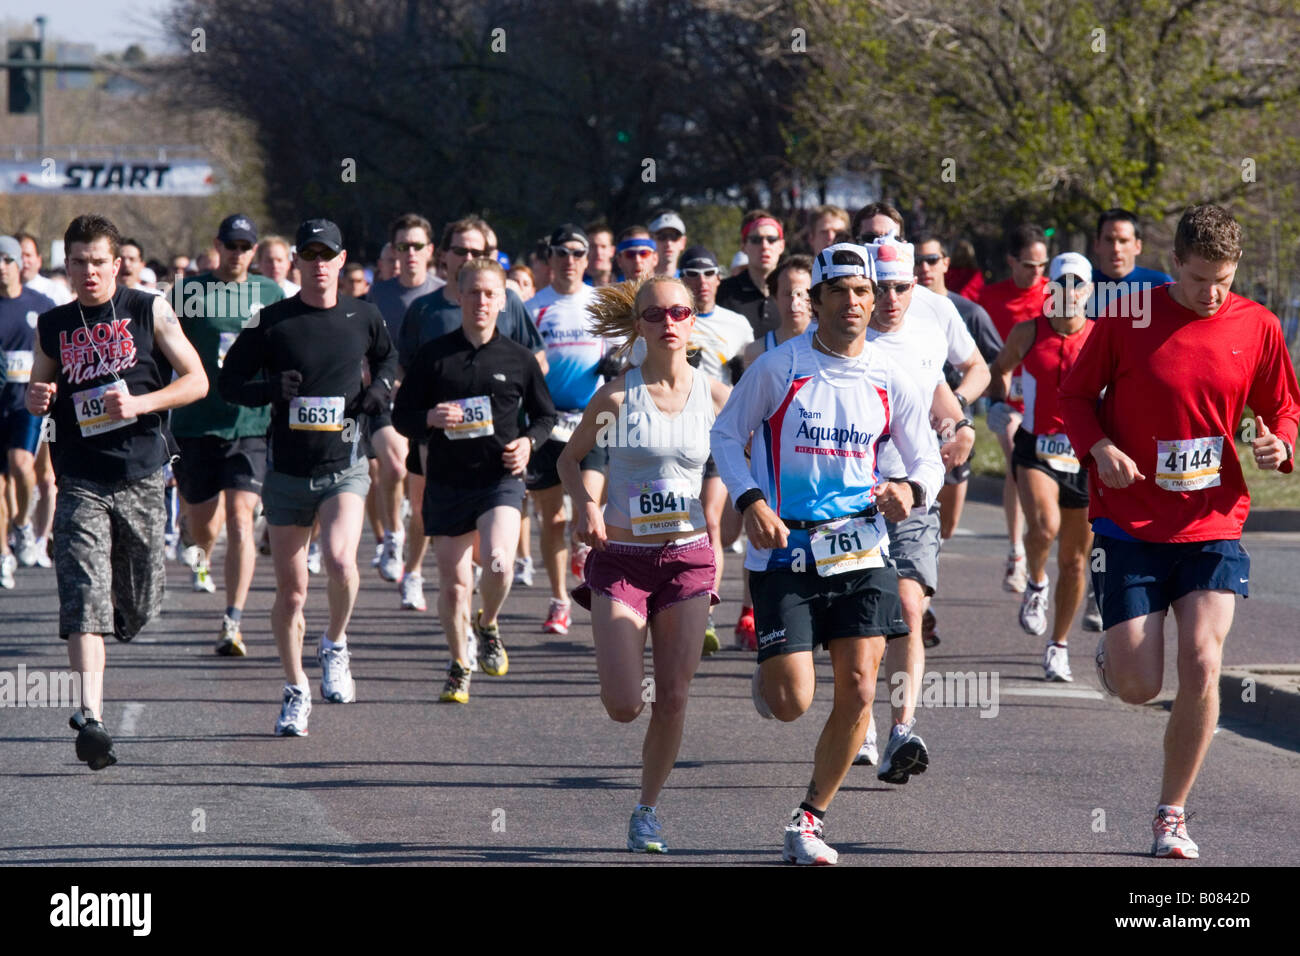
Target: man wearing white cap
point(919, 341)
point(1053, 487)
point(670, 239)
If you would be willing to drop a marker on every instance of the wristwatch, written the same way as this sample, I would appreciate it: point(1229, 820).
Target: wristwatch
point(961, 400)
point(964, 423)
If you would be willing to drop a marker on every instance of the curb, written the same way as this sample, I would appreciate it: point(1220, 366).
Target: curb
point(987, 489)
point(1276, 697)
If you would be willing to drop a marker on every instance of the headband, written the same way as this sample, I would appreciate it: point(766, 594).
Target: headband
point(765, 221)
point(639, 243)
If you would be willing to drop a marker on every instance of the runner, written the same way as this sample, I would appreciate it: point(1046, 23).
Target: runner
point(651, 572)
point(1168, 497)
point(763, 241)
point(1053, 489)
point(919, 340)
point(222, 464)
point(430, 317)
point(463, 394)
point(636, 254)
point(274, 262)
point(815, 408)
point(600, 257)
point(573, 360)
point(101, 371)
point(789, 286)
point(669, 233)
point(31, 271)
point(1015, 299)
point(20, 431)
point(1115, 249)
point(824, 224)
point(304, 358)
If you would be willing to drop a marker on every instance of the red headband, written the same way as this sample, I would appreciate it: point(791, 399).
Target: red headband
point(765, 221)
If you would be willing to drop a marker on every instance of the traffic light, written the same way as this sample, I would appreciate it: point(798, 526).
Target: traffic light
point(24, 82)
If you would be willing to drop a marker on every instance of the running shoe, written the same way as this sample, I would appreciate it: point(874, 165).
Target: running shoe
point(313, 558)
point(491, 653)
point(203, 580)
point(336, 683)
point(557, 618)
point(390, 564)
point(905, 754)
point(1017, 575)
point(379, 554)
point(711, 643)
point(43, 559)
point(412, 589)
point(524, 572)
point(746, 636)
point(1171, 839)
point(928, 636)
point(1033, 610)
point(191, 556)
point(171, 546)
point(229, 642)
point(456, 690)
point(8, 564)
point(868, 753)
point(94, 745)
point(645, 834)
point(1091, 613)
point(1056, 664)
point(1100, 660)
point(756, 693)
point(805, 843)
point(578, 561)
point(25, 549)
point(294, 711)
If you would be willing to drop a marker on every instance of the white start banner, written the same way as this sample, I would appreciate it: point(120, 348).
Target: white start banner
point(182, 177)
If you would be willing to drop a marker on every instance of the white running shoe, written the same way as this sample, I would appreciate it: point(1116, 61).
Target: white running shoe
point(868, 753)
point(756, 692)
point(390, 565)
point(1017, 575)
point(336, 683)
point(1100, 661)
point(8, 564)
point(1171, 839)
point(524, 572)
point(412, 589)
point(294, 712)
point(313, 558)
point(25, 550)
point(379, 554)
point(1056, 664)
point(192, 557)
point(804, 843)
point(1033, 610)
point(203, 580)
point(43, 559)
point(905, 754)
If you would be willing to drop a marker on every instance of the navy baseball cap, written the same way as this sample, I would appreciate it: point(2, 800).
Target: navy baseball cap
point(237, 227)
point(698, 257)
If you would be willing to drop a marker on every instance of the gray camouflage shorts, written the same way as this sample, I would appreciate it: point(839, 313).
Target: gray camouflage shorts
point(108, 554)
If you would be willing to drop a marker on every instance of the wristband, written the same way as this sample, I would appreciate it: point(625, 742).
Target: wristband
point(748, 498)
point(961, 400)
point(964, 423)
point(918, 494)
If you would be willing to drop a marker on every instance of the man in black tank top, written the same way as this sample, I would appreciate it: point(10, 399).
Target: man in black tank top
point(102, 372)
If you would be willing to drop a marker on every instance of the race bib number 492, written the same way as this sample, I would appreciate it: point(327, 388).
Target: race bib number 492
point(92, 410)
point(1189, 464)
point(316, 413)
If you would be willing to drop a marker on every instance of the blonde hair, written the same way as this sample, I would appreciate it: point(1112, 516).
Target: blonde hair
point(615, 308)
point(479, 265)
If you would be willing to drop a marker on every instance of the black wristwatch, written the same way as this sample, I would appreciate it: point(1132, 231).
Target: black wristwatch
point(964, 423)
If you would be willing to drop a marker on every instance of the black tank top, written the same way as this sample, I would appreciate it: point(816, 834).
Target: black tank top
point(113, 342)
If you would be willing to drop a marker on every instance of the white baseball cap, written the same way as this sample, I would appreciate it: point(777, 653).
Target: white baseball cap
point(739, 259)
point(1073, 263)
point(893, 259)
point(859, 263)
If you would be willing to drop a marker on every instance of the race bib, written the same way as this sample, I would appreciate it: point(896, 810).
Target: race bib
point(17, 366)
point(1017, 393)
point(660, 506)
point(566, 426)
point(92, 411)
point(224, 341)
point(1056, 452)
point(316, 413)
point(477, 421)
point(848, 544)
point(1189, 464)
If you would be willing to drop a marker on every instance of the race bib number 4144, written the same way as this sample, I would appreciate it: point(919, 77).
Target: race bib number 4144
point(1189, 464)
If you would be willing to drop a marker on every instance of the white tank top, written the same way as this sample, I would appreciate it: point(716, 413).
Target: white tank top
point(656, 463)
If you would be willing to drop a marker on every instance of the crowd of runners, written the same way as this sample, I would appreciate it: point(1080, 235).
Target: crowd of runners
point(653, 411)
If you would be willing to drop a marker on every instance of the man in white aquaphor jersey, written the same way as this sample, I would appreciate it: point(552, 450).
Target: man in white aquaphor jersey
point(816, 410)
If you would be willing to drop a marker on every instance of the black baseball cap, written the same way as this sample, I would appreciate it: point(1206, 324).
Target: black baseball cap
point(569, 233)
point(235, 227)
point(319, 230)
point(698, 257)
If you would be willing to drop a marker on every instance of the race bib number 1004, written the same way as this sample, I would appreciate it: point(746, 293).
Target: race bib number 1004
point(1189, 464)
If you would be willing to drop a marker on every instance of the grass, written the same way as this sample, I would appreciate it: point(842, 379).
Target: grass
point(1269, 490)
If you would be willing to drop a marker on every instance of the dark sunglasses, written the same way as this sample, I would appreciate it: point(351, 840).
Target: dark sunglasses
point(638, 253)
point(238, 246)
point(699, 273)
point(657, 314)
point(897, 288)
point(756, 239)
point(410, 246)
point(311, 254)
point(7, 260)
point(930, 259)
point(564, 252)
point(470, 253)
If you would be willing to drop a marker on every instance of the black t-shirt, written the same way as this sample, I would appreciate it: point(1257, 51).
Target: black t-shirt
point(113, 342)
point(450, 369)
point(317, 433)
point(739, 294)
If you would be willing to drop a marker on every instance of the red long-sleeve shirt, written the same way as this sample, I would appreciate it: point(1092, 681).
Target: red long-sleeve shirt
point(1181, 377)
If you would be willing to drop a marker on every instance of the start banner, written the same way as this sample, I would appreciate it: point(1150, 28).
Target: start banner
point(108, 177)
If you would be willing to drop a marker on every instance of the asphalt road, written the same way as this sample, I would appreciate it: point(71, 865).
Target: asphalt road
point(533, 771)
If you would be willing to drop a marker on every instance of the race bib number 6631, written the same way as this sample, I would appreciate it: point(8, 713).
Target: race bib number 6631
point(316, 413)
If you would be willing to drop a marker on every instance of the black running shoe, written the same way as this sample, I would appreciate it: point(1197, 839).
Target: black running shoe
point(94, 745)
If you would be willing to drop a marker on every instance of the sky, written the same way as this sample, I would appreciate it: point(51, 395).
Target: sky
point(112, 25)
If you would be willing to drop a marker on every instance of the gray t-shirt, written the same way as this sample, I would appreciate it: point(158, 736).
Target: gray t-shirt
point(393, 299)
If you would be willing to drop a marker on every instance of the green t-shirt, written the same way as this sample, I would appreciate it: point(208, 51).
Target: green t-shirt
point(212, 313)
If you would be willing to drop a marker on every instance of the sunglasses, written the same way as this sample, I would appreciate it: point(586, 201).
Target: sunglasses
point(238, 246)
point(636, 253)
point(867, 238)
point(930, 259)
point(410, 246)
point(470, 253)
point(313, 253)
point(895, 288)
point(564, 252)
point(7, 260)
point(699, 273)
point(668, 236)
point(768, 240)
point(658, 313)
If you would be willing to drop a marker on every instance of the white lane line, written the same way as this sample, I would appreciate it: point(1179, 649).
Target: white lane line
point(130, 714)
point(1077, 692)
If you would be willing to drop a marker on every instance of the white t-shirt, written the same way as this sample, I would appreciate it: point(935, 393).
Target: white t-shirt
point(289, 288)
point(721, 336)
point(55, 291)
